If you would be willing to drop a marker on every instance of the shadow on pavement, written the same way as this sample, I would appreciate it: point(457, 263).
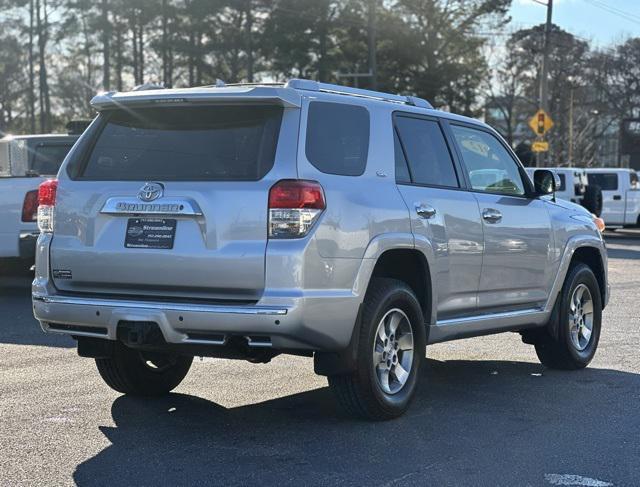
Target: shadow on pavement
point(17, 324)
point(473, 423)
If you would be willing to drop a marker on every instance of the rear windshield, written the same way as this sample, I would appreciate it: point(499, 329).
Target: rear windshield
point(606, 181)
point(46, 159)
point(207, 143)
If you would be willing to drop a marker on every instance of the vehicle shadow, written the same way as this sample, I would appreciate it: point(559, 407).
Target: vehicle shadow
point(472, 423)
point(17, 324)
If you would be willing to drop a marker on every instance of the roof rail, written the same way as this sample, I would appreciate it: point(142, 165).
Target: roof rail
point(310, 85)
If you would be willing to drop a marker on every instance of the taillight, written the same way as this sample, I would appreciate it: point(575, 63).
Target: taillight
point(30, 206)
point(46, 204)
point(294, 206)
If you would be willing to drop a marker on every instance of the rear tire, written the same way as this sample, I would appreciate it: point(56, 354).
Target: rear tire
point(579, 323)
point(143, 373)
point(592, 199)
point(388, 365)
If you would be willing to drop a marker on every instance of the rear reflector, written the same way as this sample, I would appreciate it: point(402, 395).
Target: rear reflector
point(46, 204)
point(30, 206)
point(294, 206)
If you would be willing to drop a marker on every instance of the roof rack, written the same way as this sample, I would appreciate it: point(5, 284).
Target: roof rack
point(310, 85)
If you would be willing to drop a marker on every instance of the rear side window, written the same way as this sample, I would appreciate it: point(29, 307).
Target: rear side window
point(402, 171)
point(337, 138)
point(206, 143)
point(46, 159)
point(633, 180)
point(426, 151)
point(608, 181)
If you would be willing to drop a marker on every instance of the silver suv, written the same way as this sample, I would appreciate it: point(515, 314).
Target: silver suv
point(310, 219)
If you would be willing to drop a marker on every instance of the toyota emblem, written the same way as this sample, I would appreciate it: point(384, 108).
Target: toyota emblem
point(151, 191)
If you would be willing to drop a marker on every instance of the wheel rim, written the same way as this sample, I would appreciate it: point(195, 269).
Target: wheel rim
point(581, 317)
point(393, 351)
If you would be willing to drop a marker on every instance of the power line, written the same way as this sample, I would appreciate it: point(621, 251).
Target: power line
point(631, 17)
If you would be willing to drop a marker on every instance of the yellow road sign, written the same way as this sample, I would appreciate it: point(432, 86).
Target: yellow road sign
point(541, 123)
point(540, 146)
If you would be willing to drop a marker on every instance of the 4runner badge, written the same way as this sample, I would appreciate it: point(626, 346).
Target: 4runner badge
point(151, 191)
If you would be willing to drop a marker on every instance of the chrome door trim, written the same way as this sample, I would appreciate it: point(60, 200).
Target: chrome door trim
point(195, 308)
point(164, 206)
point(488, 316)
point(478, 325)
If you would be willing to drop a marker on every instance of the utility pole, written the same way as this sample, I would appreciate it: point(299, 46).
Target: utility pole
point(371, 28)
point(544, 82)
point(571, 89)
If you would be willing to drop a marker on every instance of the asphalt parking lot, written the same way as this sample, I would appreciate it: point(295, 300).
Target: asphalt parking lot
point(487, 413)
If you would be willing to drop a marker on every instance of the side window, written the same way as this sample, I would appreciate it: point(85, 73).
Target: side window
point(402, 171)
point(608, 181)
point(426, 151)
point(633, 180)
point(563, 182)
point(337, 138)
point(490, 167)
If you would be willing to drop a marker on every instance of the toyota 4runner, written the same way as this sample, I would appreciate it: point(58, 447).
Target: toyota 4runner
point(312, 219)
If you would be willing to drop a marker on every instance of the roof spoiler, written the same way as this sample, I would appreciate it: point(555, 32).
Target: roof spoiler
point(187, 96)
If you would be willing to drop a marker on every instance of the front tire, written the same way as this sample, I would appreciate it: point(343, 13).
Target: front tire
point(143, 373)
point(390, 352)
point(579, 323)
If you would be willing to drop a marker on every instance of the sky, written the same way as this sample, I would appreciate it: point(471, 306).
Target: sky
point(605, 22)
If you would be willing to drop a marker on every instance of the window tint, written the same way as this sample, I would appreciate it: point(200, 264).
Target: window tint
point(427, 152)
point(47, 159)
point(186, 144)
point(608, 181)
point(402, 171)
point(563, 182)
point(337, 138)
point(488, 163)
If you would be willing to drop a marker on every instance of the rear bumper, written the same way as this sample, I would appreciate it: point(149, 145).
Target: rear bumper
point(322, 323)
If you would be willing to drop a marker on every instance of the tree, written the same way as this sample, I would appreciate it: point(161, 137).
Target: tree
point(447, 66)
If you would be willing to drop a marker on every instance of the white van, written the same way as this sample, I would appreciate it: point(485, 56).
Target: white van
point(620, 194)
point(574, 187)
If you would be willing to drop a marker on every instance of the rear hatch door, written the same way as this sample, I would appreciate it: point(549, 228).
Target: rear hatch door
point(171, 201)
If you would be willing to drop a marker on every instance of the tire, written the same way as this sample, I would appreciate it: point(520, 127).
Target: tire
point(143, 373)
point(571, 350)
point(365, 393)
point(592, 199)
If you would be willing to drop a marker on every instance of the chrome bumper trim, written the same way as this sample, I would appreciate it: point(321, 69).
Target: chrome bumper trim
point(196, 308)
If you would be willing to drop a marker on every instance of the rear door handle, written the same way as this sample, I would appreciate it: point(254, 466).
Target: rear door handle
point(425, 211)
point(617, 197)
point(491, 215)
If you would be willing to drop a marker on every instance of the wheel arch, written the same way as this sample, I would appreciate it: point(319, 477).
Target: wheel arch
point(589, 250)
point(396, 256)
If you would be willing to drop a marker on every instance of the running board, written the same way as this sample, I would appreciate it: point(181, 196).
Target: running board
point(456, 328)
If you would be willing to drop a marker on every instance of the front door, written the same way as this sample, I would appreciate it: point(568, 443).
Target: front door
point(613, 196)
point(518, 250)
point(442, 213)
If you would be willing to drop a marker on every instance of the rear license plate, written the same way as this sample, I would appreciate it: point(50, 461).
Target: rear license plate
point(150, 233)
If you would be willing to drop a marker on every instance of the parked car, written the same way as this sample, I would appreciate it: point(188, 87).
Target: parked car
point(575, 187)
point(620, 195)
point(312, 219)
point(25, 161)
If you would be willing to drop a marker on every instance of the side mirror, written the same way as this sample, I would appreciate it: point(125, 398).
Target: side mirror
point(545, 181)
